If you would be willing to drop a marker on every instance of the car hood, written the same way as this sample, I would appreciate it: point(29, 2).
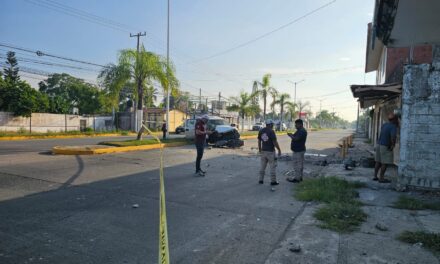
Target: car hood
point(223, 128)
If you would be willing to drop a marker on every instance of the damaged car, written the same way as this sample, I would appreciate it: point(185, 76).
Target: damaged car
point(224, 135)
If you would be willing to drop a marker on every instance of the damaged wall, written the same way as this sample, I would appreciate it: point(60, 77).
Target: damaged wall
point(420, 125)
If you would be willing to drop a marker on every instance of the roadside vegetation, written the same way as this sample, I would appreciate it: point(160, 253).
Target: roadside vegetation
point(26, 133)
point(430, 241)
point(150, 141)
point(342, 211)
point(410, 203)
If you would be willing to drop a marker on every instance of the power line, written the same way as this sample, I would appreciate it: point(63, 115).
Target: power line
point(246, 43)
point(26, 60)
point(40, 53)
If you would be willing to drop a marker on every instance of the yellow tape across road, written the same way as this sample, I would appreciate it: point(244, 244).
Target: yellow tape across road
point(164, 253)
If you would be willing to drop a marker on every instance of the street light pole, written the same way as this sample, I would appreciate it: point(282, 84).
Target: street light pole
point(168, 69)
point(294, 96)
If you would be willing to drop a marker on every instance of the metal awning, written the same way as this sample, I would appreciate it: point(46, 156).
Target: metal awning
point(369, 95)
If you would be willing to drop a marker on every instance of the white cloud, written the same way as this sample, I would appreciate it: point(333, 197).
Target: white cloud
point(345, 59)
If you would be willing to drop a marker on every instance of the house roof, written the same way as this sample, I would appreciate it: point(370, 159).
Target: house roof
point(404, 23)
point(369, 95)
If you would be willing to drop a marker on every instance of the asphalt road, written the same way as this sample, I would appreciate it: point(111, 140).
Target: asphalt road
point(44, 145)
point(78, 209)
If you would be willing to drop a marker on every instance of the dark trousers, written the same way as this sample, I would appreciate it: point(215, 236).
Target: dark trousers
point(200, 147)
point(164, 134)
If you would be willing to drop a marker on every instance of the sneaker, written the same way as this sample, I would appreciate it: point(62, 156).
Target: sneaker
point(202, 171)
point(260, 182)
point(294, 180)
point(274, 183)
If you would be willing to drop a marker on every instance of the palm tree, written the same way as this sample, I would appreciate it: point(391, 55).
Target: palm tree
point(302, 106)
point(144, 68)
point(274, 94)
point(243, 104)
point(265, 90)
point(283, 101)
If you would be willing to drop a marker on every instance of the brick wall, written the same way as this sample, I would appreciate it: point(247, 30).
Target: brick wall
point(420, 126)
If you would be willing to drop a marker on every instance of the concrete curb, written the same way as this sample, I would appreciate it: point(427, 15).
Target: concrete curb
point(62, 136)
point(102, 149)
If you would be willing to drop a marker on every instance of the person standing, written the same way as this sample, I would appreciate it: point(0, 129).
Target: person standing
point(267, 142)
point(164, 130)
point(385, 148)
point(201, 133)
point(298, 146)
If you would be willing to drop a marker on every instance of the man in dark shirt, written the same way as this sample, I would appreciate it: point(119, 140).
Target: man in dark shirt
point(267, 142)
point(200, 140)
point(385, 148)
point(164, 130)
point(298, 146)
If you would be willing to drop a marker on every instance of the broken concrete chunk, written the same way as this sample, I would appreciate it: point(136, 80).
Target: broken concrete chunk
point(381, 227)
point(295, 248)
point(135, 205)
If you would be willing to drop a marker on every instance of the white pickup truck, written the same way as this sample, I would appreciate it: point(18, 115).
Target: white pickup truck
point(224, 135)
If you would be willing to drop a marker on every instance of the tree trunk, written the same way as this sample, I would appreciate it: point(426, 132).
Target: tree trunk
point(264, 108)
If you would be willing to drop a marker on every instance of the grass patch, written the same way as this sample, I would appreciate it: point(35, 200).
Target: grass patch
point(430, 241)
point(327, 190)
point(342, 211)
point(406, 202)
point(150, 141)
point(342, 217)
point(25, 133)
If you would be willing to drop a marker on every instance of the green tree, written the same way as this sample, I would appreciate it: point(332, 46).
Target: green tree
point(143, 68)
point(283, 101)
point(265, 90)
point(67, 92)
point(11, 70)
point(23, 100)
point(243, 104)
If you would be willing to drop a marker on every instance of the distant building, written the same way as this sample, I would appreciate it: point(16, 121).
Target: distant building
point(155, 117)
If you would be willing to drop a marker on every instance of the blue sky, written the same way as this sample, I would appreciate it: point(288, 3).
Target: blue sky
point(332, 38)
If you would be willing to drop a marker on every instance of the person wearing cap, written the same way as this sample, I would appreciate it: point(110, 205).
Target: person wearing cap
point(298, 146)
point(267, 142)
point(200, 140)
point(385, 148)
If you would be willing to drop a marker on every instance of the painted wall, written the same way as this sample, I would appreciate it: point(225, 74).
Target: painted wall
point(44, 122)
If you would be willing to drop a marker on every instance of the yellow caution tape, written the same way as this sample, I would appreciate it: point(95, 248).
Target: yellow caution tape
point(164, 253)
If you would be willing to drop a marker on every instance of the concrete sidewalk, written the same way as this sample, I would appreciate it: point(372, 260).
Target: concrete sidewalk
point(375, 241)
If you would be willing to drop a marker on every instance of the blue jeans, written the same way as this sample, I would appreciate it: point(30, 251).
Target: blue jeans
point(200, 147)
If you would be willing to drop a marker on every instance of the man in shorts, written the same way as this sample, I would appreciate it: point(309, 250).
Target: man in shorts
point(385, 148)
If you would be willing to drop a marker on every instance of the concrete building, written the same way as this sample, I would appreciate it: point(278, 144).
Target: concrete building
point(403, 48)
point(155, 117)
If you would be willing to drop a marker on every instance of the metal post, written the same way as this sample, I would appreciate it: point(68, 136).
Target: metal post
point(357, 120)
point(65, 122)
point(168, 67)
point(30, 124)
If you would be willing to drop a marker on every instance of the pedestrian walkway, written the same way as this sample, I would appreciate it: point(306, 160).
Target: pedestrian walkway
point(376, 239)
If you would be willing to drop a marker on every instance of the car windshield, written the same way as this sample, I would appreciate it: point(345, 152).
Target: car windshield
point(212, 123)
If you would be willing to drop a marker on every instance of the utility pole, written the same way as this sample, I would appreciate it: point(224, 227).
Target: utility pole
point(139, 83)
point(168, 67)
point(294, 97)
